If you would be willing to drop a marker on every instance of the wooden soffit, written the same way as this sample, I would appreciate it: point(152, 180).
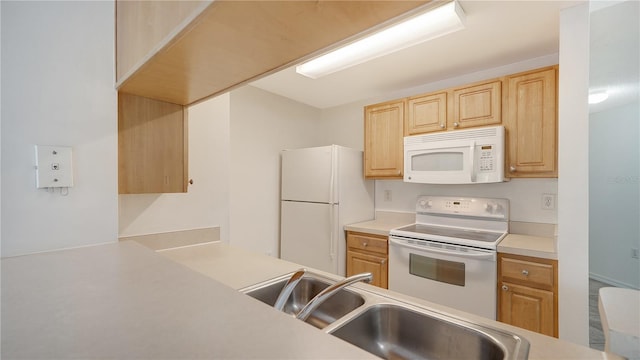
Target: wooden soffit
point(230, 43)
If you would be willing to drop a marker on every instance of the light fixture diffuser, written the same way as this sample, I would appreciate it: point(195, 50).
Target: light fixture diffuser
point(429, 25)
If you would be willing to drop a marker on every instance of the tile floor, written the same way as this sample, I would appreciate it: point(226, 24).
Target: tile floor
point(596, 336)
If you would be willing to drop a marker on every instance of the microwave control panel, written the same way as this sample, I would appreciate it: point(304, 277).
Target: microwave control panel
point(487, 157)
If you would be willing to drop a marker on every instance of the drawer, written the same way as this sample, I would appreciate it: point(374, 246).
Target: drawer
point(367, 243)
point(528, 271)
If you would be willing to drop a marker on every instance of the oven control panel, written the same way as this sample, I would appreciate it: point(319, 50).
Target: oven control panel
point(474, 207)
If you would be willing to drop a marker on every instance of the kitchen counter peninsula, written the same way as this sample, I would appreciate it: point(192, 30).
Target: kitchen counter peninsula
point(124, 301)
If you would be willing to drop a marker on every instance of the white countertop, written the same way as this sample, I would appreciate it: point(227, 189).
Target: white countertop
point(535, 239)
point(383, 223)
point(527, 245)
point(125, 301)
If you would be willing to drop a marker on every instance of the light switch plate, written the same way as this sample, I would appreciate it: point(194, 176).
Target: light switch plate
point(54, 166)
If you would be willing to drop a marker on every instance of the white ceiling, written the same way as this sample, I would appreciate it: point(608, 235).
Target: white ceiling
point(497, 33)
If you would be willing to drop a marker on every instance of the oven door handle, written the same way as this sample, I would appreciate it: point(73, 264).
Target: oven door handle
point(480, 256)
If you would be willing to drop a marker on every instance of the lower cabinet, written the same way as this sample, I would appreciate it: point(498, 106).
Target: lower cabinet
point(528, 293)
point(368, 253)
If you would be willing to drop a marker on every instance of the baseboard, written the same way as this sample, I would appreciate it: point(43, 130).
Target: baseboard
point(174, 239)
point(611, 282)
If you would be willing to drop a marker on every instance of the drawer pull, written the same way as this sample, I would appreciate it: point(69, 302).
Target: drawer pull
point(525, 272)
point(505, 288)
point(365, 244)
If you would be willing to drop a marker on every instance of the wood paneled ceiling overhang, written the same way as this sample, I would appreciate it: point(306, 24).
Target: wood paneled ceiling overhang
point(230, 43)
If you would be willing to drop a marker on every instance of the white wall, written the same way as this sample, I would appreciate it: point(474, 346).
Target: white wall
point(206, 204)
point(57, 89)
point(525, 196)
point(573, 180)
point(614, 209)
point(262, 124)
point(344, 125)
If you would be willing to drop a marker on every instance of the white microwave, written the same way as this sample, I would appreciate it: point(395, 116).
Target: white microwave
point(470, 156)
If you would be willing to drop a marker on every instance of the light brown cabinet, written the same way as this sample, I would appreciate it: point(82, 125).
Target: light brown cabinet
point(368, 253)
point(383, 140)
point(525, 103)
point(531, 123)
point(426, 113)
point(152, 146)
point(477, 105)
point(528, 293)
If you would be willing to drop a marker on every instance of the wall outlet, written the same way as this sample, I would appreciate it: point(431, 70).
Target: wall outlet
point(387, 195)
point(548, 201)
point(635, 253)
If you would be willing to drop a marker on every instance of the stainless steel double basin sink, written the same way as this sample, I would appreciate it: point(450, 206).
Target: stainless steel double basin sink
point(390, 328)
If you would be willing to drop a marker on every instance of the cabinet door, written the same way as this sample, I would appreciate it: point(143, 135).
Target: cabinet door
point(426, 113)
point(358, 262)
point(477, 105)
point(528, 308)
point(152, 146)
point(383, 140)
point(531, 124)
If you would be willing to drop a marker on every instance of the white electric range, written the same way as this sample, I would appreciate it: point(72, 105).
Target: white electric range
point(449, 255)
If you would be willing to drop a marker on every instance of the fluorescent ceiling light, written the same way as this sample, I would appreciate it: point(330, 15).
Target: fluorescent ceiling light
point(436, 22)
point(598, 97)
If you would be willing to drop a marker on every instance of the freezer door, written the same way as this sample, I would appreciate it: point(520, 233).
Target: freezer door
point(309, 175)
point(306, 235)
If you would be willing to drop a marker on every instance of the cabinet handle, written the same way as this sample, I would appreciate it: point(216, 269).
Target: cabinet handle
point(525, 272)
point(441, 126)
point(384, 261)
point(365, 244)
point(505, 288)
point(512, 168)
point(455, 124)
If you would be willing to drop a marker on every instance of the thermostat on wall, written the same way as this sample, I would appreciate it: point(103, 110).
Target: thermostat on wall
point(54, 166)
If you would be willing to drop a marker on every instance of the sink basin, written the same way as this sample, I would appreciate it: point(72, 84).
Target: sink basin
point(334, 308)
point(395, 332)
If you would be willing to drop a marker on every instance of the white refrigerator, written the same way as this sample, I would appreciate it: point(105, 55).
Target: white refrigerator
point(322, 190)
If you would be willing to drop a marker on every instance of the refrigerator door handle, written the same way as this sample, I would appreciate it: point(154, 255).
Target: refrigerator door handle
point(332, 179)
point(332, 249)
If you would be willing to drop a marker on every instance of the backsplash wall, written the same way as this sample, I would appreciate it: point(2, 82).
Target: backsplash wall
point(525, 196)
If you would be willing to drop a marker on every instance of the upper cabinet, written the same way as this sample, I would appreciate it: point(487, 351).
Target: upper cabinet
point(524, 103)
point(152, 146)
point(182, 52)
point(170, 54)
point(142, 27)
point(426, 113)
point(463, 107)
point(531, 124)
point(383, 140)
point(477, 105)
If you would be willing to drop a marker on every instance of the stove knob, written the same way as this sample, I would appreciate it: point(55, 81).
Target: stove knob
point(488, 207)
point(425, 204)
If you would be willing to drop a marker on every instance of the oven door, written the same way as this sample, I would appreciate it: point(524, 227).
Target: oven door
point(456, 276)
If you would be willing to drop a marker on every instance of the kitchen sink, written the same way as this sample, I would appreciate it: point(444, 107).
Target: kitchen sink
point(396, 332)
point(391, 328)
point(340, 304)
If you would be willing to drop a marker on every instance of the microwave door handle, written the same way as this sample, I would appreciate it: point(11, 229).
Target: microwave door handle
point(482, 256)
point(472, 147)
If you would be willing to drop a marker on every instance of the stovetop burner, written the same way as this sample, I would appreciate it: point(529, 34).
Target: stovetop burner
point(476, 222)
point(451, 232)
